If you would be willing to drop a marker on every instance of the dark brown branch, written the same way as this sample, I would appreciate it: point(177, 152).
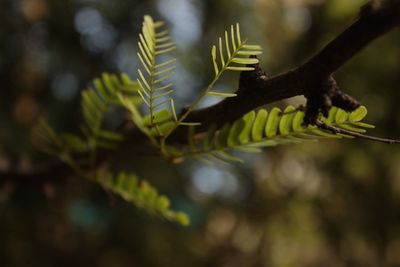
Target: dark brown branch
point(375, 20)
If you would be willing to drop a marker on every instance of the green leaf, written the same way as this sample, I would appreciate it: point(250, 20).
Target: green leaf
point(182, 218)
point(222, 136)
point(297, 123)
point(239, 39)
point(109, 84)
point(285, 125)
point(244, 136)
point(331, 115)
point(322, 133)
point(248, 149)
point(249, 53)
point(233, 38)
point(228, 50)
point(247, 133)
point(252, 47)
point(154, 42)
point(341, 116)
point(165, 70)
point(74, 142)
point(164, 87)
point(234, 47)
point(163, 203)
point(245, 61)
point(219, 94)
point(101, 89)
point(165, 63)
point(159, 117)
point(166, 127)
point(173, 110)
point(227, 157)
point(235, 131)
point(271, 128)
point(364, 125)
point(97, 101)
point(48, 133)
point(240, 68)
point(259, 124)
point(162, 94)
point(141, 194)
point(214, 58)
point(111, 136)
point(358, 114)
point(190, 123)
point(353, 128)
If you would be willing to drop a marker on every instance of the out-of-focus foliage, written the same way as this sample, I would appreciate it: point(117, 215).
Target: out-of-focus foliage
point(108, 91)
point(142, 194)
point(331, 203)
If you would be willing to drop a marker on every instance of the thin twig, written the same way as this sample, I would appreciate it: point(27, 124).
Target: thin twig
point(336, 130)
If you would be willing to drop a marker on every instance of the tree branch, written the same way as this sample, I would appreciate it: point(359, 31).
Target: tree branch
point(313, 79)
point(375, 20)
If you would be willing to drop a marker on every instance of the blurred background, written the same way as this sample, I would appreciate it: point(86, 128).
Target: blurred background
point(332, 203)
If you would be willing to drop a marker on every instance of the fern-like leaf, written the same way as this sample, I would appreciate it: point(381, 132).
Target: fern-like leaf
point(233, 53)
point(260, 129)
point(46, 139)
point(96, 102)
point(154, 42)
point(142, 195)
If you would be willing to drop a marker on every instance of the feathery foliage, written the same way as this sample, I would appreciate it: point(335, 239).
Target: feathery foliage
point(234, 55)
point(153, 43)
point(142, 195)
point(97, 101)
point(233, 52)
point(109, 90)
point(260, 129)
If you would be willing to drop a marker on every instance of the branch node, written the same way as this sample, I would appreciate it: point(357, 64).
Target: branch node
point(248, 79)
point(325, 95)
